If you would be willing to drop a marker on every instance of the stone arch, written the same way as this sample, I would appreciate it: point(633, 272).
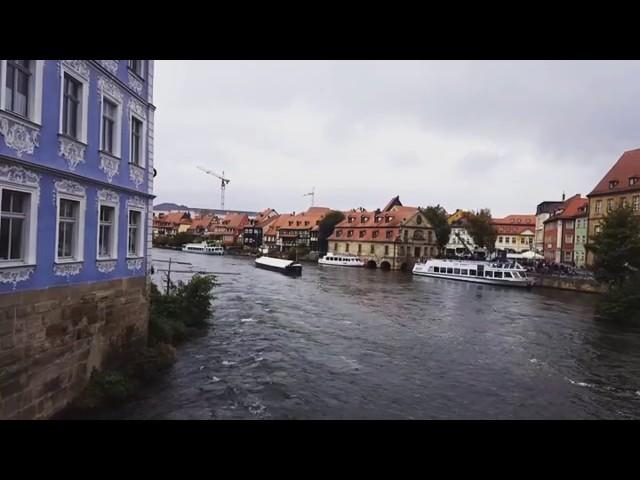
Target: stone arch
point(385, 265)
point(404, 267)
point(371, 264)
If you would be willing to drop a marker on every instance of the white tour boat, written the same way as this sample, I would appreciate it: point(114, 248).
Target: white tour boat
point(511, 274)
point(204, 248)
point(341, 260)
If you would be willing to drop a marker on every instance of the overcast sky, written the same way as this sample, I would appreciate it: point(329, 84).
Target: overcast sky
point(465, 134)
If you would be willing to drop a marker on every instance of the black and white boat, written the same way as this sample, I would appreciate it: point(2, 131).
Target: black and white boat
point(510, 274)
point(288, 267)
point(203, 248)
point(341, 260)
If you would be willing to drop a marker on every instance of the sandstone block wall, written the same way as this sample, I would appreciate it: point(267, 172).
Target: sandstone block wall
point(51, 339)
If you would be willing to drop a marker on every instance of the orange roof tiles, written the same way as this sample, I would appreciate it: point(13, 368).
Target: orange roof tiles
point(176, 218)
point(627, 167)
point(575, 206)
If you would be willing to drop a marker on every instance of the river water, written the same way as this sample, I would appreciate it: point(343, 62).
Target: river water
point(349, 343)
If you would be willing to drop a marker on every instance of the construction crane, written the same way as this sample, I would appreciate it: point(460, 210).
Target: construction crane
point(223, 184)
point(311, 194)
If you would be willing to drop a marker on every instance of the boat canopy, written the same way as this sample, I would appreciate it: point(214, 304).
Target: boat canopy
point(275, 262)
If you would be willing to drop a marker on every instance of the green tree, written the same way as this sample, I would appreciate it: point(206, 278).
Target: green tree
point(181, 238)
point(617, 248)
point(617, 264)
point(437, 217)
point(481, 230)
point(326, 227)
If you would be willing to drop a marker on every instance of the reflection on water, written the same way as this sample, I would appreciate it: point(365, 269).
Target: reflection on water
point(356, 343)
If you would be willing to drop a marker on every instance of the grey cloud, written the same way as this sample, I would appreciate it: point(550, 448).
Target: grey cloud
point(364, 131)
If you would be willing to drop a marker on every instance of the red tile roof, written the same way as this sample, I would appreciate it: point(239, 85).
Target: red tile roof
point(514, 224)
point(202, 222)
point(180, 218)
point(627, 166)
point(363, 223)
point(234, 220)
point(571, 208)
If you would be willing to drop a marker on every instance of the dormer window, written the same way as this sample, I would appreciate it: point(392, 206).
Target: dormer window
point(351, 219)
point(364, 219)
point(338, 233)
point(297, 223)
point(350, 233)
point(633, 180)
point(290, 223)
point(387, 219)
point(389, 233)
point(375, 234)
point(378, 219)
point(362, 233)
point(613, 183)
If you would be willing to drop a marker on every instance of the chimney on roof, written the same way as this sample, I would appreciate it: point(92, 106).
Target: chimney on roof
point(563, 196)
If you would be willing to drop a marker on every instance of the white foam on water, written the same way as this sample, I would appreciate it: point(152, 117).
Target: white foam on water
point(227, 363)
point(638, 392)
point(246, 320)
point(580, 384)
point(533, 360)
point(214, 379)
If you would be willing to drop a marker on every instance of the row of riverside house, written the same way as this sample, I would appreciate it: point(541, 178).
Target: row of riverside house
point(396, 236)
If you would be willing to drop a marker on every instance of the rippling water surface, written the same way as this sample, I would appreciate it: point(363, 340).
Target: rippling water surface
point(341, 343)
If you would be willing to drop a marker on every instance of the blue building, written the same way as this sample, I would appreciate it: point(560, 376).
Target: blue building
point(76, 183)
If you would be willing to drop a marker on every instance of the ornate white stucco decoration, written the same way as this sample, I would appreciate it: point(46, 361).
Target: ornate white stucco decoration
point(136, 202)
point(67, 269)
point(20, 137)
point(134, 263)
point(15, 275)
point(111, 65)
point(67, 186)
point(19, 175)
point(71, 151)
point(78, 66)
point(106, 266)
point(108, 87)
point(135, 83)
point(109, 165)
point(107, 195)
point(138, 108)
point(136, 174)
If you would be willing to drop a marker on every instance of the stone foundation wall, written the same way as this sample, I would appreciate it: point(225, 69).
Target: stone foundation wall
point(567, 283)
point(51, 339)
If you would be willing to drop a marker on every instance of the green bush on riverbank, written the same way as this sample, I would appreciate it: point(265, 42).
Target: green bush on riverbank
point(173, 318)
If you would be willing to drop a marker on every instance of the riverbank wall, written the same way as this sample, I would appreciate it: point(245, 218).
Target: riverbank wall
point(567, 283)
point(52, 339)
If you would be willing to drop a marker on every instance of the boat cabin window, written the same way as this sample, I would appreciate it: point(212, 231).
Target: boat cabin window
point(463, 271)
point(435, 269)
point(472, 273)
point(456, 271)
point(431, 269)
point(497, 274)
point(449, 270)
point(488, 273)
point(507, 275)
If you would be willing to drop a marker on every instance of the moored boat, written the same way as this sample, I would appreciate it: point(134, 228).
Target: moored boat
point(509, 274)
point(341, 260)
point(288, 267)
point(203, 248)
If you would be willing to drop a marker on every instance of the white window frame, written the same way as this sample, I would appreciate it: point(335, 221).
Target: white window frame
point(84, 107)
point(142, 69)
point(80, 235)
point(117, 133)
point(114, 230)
point(31, 229)
point(35, 91)
point(143, 153)
point(141, 233)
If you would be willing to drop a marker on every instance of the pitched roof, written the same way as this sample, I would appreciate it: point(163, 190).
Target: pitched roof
point(627, 166)
point(182, 218)
point(203, 221)
point(529, 220)
point(571, 208)
point(234, 220)
point(395, 201)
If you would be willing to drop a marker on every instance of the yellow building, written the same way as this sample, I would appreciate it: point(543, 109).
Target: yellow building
point(620, 186)
point(392, 238)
